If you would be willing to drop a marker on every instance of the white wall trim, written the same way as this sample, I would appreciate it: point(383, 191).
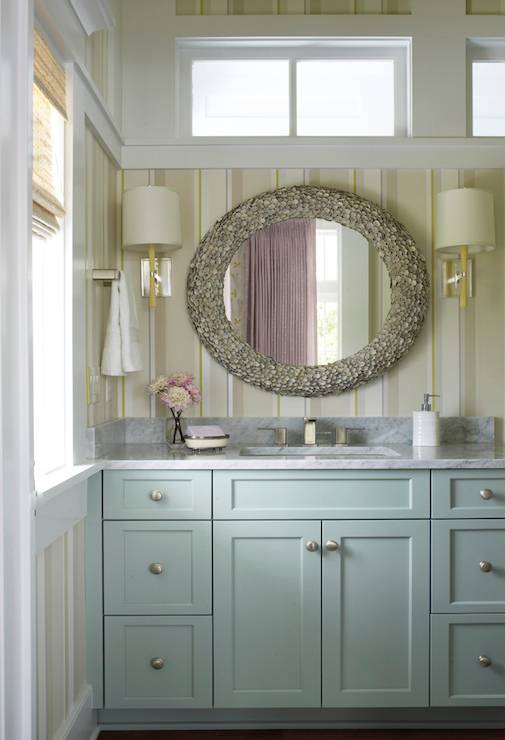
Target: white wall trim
point(409, 153)
point(93, 15)
point(17, 563)
point(81, 722)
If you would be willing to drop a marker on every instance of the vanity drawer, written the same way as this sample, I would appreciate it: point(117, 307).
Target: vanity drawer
point(157, 567)
point(305, 494)
point(460, 673)
point(468, 566)
point(181, 645)
point(468, 493)
point(157, 494)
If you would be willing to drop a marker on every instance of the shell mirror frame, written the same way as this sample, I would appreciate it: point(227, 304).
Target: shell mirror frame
point(408, 280)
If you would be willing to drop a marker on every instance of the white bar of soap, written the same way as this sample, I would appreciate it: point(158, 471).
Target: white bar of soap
point(205, 431)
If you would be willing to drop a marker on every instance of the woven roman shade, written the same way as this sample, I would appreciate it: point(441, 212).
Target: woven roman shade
point(49, 95)
point(49, 75)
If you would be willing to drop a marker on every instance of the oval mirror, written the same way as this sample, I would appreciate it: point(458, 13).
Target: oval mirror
point(286, 291)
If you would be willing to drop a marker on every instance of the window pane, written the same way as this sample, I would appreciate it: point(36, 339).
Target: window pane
point(241, 98)
point(346, 97)
point(488, 99)
point(49, 353)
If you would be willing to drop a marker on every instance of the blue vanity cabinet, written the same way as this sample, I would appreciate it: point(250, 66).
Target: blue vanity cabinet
point(468, 588)
point(279, 576)
point(375, 613)
point(157, 581)
point(267, 614)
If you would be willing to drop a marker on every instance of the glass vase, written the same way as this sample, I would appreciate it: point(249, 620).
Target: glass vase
point(175, 432)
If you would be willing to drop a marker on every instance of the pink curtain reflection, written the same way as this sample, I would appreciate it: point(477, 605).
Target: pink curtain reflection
point(281, 295)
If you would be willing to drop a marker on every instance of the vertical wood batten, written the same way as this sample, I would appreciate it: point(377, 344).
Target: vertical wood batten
point(41, 650)
point(447, 321)
point(368, 185)
point(215, 377)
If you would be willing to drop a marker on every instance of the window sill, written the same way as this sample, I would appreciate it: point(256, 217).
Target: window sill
point(53, 484)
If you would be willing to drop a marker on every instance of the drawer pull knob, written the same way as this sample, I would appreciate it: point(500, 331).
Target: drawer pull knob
point(331, 545)
point(156, 568)
point(485, 566)
point(486, 494)
point(484, 661)
point(157, 663)
point(156, 495)
point(311, 546)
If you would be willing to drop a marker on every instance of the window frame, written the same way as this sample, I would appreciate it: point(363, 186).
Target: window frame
point(480, 50)
point(295, 49)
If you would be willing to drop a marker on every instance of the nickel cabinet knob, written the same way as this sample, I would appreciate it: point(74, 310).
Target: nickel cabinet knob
point(486, 494)
point(157, 663)
point(331, 545)
point(156, 568)
point(156, 495)
point(311, 546)
point(485, 566)
point(484, 661)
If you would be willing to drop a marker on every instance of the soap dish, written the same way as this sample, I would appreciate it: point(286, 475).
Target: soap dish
point(198, 444)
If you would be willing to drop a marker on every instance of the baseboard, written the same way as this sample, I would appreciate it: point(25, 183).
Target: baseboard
point(476, 718)
point(81, 723)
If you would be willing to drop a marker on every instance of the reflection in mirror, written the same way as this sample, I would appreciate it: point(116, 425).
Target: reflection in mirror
point(307, 292)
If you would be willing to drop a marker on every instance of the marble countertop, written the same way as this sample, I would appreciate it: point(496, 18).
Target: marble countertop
point(163, 456)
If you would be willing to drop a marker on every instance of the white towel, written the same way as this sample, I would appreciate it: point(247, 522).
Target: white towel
point(121, 350)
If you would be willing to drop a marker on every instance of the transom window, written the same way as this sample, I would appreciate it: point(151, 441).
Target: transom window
point(335, 87)
point(486, 59)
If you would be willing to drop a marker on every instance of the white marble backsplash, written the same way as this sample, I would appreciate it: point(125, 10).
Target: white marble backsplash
point(370, 430)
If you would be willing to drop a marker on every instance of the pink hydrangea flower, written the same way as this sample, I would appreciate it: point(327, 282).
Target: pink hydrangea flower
point(181, 379)
point(176, 398)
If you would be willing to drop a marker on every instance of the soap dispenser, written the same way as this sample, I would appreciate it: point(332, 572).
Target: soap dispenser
point(426, 424)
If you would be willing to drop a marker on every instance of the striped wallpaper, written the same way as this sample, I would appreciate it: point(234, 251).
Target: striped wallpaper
point(317, 7)
point(459, 354)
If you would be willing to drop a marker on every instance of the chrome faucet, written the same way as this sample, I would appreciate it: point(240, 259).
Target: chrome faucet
point(309, 431)
point(343, 434)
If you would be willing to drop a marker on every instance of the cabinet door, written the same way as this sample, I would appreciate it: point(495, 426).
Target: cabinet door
point(267, 618)
point(375, 614)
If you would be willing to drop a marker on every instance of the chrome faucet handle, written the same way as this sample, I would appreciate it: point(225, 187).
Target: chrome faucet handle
point(343, 434)
point(309, 430)
point(280, 434)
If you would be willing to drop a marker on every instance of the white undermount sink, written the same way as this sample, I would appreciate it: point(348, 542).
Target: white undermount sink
point(317, 451)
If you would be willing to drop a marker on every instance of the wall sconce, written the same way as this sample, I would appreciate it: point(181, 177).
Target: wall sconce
point(464, 226)
point(151, 218)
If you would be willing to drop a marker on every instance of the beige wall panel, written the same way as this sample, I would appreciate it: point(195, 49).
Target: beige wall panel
point(447, 329)
point(397, 7)
point(175, 341)
point(136, 399)
point(54, 566)
point(248, 400)
point(292, 7)
point(330, 7)
point(252, 7)
point(101, 251)
point(188, 7)
point(214, 192)
point(216, 7)
point(79, 613)
point(369, 397)
point(487, 354)
point(485, 7)
point(407, 198)
point(345, 403)
point(369, 7)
